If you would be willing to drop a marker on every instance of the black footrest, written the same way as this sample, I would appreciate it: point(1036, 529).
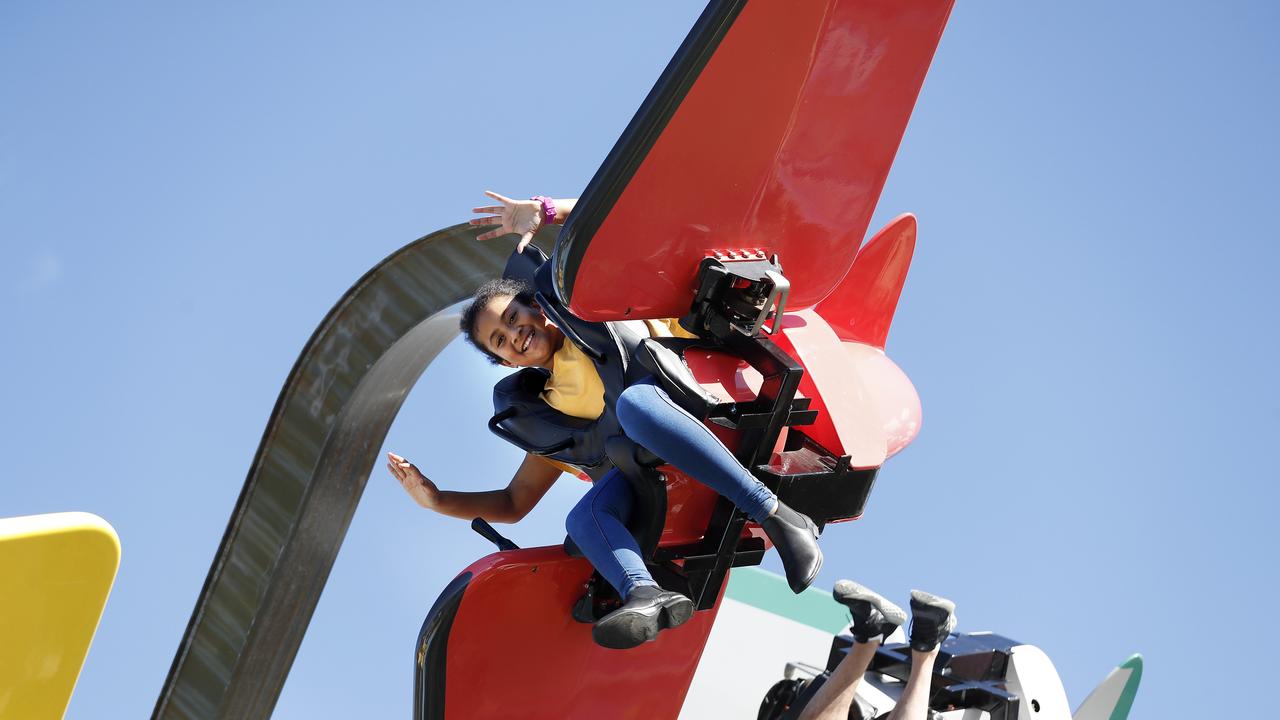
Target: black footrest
point(813, 481)
point(697, 558)
point(748, 416)
point(807, 462)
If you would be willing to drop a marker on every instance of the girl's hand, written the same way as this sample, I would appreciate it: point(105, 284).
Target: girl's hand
point(522, 217)
point(423, 491)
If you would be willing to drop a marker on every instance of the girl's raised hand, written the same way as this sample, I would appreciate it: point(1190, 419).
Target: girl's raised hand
point(522, 217)
point(423, 491)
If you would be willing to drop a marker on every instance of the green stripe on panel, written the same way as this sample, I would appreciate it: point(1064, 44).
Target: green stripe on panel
point(1130, 691)
point(769, 592)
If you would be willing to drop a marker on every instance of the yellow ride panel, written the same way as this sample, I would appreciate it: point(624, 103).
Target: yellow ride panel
point(55, 574)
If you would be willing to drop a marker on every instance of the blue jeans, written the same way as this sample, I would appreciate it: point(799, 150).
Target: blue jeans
point(652, 419)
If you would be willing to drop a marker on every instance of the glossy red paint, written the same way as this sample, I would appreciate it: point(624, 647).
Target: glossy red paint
point(867, 407)
point(782, 143)
point(845, 424)
point(893, 400)
point(861, 307)
point(723, 375)
point(515, 652)
point(689, 505)
point(514, 649)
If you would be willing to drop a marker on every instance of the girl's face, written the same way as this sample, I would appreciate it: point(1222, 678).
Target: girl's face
point(519, 334)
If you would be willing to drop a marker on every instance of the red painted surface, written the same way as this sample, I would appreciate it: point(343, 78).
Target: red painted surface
point(783, 143)
point(861, 307)
point(515, 652)
point(841, 402)
point(867, 407)
point(689, 505)
point(893, 401)
point(514, 649)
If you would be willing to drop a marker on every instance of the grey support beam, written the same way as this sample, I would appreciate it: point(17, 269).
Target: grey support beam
point(310, 470)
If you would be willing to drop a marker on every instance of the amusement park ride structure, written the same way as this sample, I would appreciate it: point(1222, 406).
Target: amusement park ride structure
point(737, 200)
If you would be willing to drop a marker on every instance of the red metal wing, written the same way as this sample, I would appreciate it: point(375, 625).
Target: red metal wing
point(773, 128)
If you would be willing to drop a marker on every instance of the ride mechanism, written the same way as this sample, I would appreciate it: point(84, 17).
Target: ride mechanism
point(737, 200)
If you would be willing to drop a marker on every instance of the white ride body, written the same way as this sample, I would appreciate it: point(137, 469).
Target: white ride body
point(762, 627)
point(1034, 679)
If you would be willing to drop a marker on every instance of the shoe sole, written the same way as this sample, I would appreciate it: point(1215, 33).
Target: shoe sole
point(928, 604)
point(929, 600)
point(633, 628)
point(675, 613)
point(847, 591)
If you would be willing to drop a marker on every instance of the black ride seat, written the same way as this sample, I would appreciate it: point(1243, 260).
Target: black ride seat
point(649, 511)
point(823, 486)
point(596, 446)
point(621, 356)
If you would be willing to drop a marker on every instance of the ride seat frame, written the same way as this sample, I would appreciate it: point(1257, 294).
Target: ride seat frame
point(734, 301)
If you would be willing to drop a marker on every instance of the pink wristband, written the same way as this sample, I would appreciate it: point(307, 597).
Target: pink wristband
point(548, 209)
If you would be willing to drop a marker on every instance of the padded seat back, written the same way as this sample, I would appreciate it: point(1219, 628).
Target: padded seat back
point(523, 418)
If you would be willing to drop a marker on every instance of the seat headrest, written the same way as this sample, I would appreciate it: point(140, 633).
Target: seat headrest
point(523, 266)
point(520, 388)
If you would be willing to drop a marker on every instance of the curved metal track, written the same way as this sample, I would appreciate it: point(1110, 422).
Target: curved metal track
point(310, 470)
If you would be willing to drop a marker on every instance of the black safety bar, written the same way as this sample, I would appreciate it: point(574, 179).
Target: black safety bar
point(495, 425)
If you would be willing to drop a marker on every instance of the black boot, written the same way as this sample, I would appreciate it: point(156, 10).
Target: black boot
point(647, 610)
point(932, 620)
point(796, 538)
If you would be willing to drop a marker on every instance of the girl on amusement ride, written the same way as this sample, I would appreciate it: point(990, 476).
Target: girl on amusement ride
point(505, 323)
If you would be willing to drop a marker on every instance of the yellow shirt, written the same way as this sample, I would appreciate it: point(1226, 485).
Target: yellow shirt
point(575, 388)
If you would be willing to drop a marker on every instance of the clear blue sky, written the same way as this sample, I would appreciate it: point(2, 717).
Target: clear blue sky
point(185, 190)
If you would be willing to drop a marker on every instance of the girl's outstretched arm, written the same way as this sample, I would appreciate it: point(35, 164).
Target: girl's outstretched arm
point(531, 481)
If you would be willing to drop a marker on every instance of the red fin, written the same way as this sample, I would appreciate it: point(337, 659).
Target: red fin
point(861, 307)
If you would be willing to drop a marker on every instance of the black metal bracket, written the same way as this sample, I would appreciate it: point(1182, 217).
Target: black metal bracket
point(739, 416)
point(737, 294)
point(970, 671)
point(722, 547)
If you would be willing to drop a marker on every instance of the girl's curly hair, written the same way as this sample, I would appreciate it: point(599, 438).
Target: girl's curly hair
point(498, 287)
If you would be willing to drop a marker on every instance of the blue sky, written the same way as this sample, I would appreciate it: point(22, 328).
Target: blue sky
point(185, 190)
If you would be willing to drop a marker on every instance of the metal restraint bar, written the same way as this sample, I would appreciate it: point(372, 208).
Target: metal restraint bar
point(738, 292)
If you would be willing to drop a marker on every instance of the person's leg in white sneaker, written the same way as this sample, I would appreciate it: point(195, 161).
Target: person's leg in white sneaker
point(874, 618)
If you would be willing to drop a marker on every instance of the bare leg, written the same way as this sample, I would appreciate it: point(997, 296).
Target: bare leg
point(914, 703)
point(874, 618)
point(932, 620)
point(833, 699)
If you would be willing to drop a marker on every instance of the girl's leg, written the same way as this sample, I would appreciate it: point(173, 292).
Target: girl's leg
point(597, 525)
point(932, 620)
point(651, 418)
point(914, 703)
point(833, 699)
point(874, 618)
